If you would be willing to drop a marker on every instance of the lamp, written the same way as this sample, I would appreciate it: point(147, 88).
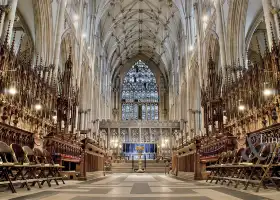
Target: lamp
point(12, 91)
point(54, 116)
point(38, 105)
point(75, 17)
point(205, 18)
point(267, 92)
point(241, 107)
point(191, 48)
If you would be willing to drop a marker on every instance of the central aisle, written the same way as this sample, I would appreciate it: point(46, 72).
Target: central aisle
point(141, 187)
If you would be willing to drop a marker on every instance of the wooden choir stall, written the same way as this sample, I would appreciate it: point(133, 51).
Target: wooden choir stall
point(241, 146)
point(92, 157)
point(38, 110)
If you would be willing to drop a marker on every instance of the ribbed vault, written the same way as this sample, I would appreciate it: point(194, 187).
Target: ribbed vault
point(132, 27)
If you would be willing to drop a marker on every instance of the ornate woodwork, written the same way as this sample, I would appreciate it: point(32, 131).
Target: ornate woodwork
point(10, 135)
point(63, 141)
point(67, 100)
point(217, 139)
point(92, 156)
point(22, 86)
point(212, 101)
point(255, 86)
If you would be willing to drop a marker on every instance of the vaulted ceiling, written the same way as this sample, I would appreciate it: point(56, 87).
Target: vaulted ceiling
point(132, 27)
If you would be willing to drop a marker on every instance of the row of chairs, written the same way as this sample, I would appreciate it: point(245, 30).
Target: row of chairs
point(257, 166)
point(26, 167)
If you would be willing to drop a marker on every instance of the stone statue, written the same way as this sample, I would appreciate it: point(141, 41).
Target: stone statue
point(274, 115)
point(264, 122)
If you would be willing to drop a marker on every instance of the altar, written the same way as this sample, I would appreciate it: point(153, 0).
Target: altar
point(130, 152)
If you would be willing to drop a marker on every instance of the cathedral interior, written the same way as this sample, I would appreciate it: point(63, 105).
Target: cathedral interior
point(139, 99)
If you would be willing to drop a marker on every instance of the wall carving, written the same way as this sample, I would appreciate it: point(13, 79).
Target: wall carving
point(161, 133)
point(142, 124)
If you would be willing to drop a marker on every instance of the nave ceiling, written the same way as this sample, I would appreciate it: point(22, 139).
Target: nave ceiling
point(130, 28)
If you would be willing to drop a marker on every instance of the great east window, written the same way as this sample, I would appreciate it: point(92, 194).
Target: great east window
point(139, 95)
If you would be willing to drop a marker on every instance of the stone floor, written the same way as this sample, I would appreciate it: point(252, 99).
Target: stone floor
point(138, 187)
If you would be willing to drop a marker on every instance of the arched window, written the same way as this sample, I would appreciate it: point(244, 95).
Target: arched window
point(140, 94)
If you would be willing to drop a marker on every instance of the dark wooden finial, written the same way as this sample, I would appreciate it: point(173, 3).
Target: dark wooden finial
point(243, 61)
point(7, 34)
point(210, 55)
point(259, 48)
point(41, 61)
point(20, 42)
point(37, 59)
point(12, 49)
point(272, 34)
point(248, 60)
point(70, 53)
point(278, 25)
point(266, 44)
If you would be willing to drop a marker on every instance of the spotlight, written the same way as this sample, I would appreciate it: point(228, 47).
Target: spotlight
point(38, 106)
point(84, 35)
point(267, 92)
point(241, 107)
point(75, 17)
point(12, 90)
point(205, 18)
point(191, 48)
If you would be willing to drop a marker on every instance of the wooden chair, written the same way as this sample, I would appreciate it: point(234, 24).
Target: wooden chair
point(214, 167)
point(217, 168)
point(11, 170)
point(28, 170)
point(243, 167)
point(260, 171)
point(223, 168)
point(5, 166)
point(44, 167)
point(54, 169)
point(275, 166)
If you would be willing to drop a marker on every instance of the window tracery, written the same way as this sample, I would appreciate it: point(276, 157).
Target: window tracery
point(140, 94)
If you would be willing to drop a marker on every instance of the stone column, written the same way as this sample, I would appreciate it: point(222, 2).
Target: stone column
point(88, 120)
point(10, 19)
point(160, 141)
point(82, 122)
point(221, 36)
point(85, 119)
point(2, 20)
point(198, 28)
point(129, 135)
point(59, 30)
point(268, 19)
point(274, 12)
point(100, 87)
point(91, 34)
point(93, 115)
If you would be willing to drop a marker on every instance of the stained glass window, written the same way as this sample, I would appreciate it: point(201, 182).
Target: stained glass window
point(140, 94)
